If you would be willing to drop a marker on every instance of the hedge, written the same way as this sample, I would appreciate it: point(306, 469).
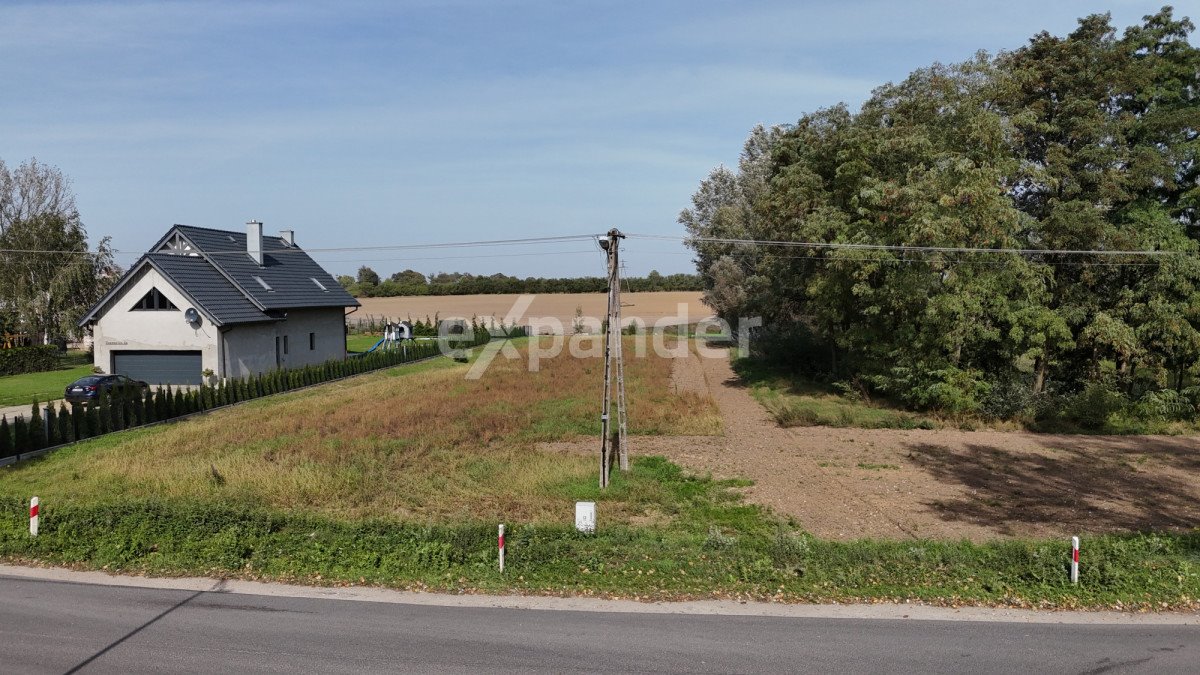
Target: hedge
point(28, 359)
point(131, 409)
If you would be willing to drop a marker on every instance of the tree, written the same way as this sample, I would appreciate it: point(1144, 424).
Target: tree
point(53, 277)
point(50, 275)
point(409, 278)
point(366, 275)
point(1088, 142)
point(34, 189)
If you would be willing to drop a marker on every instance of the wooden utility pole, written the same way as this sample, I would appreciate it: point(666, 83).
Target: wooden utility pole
point(613, 352)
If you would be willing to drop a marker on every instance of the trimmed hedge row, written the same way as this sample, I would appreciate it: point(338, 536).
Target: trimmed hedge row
point(125, 410)
point(28, 359)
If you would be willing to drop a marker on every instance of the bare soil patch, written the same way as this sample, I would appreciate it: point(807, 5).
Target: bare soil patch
point(648, 307)
point(900, 484)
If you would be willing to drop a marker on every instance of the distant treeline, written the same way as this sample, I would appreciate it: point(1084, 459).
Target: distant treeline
point(368, 284)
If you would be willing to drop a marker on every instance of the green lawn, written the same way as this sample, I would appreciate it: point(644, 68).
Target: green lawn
point(46, 385)
point(360, 343)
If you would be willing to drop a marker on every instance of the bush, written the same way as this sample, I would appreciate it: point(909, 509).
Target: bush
point(28, 359)
point(1007, 400)
point(1167, 404)
point(1092, 407)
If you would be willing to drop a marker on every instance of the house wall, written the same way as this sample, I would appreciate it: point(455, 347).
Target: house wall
point(118, 328)
point(250, 348)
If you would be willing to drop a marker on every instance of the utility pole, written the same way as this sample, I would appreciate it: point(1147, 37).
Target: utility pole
point(613, 352)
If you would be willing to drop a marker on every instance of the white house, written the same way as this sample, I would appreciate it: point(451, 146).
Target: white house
point(235, 303)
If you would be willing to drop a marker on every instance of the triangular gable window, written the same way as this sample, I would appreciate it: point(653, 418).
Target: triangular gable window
point(154, 301)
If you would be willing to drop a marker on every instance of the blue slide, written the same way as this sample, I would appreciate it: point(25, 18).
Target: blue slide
point(375, 346)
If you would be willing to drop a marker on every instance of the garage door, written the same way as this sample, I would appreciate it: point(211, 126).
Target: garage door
point(159, 367)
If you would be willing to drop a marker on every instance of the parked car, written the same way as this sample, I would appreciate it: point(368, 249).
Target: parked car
point(88, 389)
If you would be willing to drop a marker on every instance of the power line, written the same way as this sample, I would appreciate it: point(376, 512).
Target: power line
point(343, 249)
point(906, 248)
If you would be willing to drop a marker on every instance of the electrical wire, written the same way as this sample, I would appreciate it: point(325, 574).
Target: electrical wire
point(344, 249)
point(905, 248)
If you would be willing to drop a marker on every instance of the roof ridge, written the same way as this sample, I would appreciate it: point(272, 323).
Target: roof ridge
point(214, 229)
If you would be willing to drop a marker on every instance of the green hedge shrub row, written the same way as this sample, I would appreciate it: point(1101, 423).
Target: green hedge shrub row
point(124, 410)
point(28, 359)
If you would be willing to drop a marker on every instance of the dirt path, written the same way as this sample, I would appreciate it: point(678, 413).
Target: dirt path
point(895, 484)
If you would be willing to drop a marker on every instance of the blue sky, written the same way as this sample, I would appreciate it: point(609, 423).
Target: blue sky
point(387, 123)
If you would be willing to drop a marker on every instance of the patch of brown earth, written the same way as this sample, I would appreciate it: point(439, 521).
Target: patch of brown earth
point(898, 484)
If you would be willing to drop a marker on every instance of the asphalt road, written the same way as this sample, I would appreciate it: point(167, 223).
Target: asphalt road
point(59, 627)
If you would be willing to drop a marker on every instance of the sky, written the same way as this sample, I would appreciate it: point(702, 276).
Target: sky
point(365, 124)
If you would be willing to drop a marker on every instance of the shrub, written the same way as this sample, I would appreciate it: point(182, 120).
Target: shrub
point(66, 432)
point(1092, 407)
point(1007, 400)
point(28, 359)
point(6, 441)
point(37, 432)
point(1167, 404)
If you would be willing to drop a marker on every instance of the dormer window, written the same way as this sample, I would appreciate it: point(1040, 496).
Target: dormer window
point(154, 301)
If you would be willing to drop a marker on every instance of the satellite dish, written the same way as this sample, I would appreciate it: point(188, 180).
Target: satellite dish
point(191, 315)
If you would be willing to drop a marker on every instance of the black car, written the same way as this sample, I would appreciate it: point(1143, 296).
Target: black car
point(88, 389)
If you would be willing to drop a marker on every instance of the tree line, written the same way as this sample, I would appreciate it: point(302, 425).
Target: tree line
point(367, 283)
point(1089, 142)
point(50, 277)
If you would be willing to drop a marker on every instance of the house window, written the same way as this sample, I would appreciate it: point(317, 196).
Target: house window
point(285, 345)
point(154, 301)
point(312, 341)
point(264, 284)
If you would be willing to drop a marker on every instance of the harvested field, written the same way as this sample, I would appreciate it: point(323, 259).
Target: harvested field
point(648, 307)
point(906, 484)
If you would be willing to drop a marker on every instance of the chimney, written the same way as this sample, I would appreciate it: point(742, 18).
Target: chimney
point(254, 241)
point(288, 237)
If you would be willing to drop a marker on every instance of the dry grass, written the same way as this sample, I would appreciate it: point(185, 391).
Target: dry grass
point(414, 442)
point(649, 307)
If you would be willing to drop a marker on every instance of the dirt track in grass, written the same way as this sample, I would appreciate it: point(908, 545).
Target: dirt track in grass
point(898, 484)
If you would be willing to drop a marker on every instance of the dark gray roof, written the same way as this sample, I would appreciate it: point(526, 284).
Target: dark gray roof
point(286, 269)
point(208, 288)
point(221, 278)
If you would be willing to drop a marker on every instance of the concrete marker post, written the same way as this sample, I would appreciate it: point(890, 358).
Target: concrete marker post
point(33, 517)
point(1074, 560)
point(501, 546)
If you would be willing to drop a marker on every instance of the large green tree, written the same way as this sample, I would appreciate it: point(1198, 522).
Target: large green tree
point(50, 275)
point(1086, 143)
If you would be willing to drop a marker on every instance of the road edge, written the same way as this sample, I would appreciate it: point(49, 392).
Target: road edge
point(914, 612)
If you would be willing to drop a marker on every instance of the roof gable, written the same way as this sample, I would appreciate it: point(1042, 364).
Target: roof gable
point(213, 269)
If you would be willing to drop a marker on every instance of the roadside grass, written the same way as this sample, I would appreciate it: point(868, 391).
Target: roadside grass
point(797, 402)
point(707, 544)
point(46, 385)
point(399, 478)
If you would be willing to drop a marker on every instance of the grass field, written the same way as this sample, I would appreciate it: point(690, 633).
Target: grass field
point(399, 478)
point(371, 442)
point(22, 389)
point(649, 307)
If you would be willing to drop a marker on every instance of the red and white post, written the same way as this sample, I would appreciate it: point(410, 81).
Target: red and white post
point(501, 546)
point(33, 517)
point(1074, 560)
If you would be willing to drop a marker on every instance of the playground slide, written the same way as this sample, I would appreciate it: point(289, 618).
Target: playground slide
point(375, 346)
